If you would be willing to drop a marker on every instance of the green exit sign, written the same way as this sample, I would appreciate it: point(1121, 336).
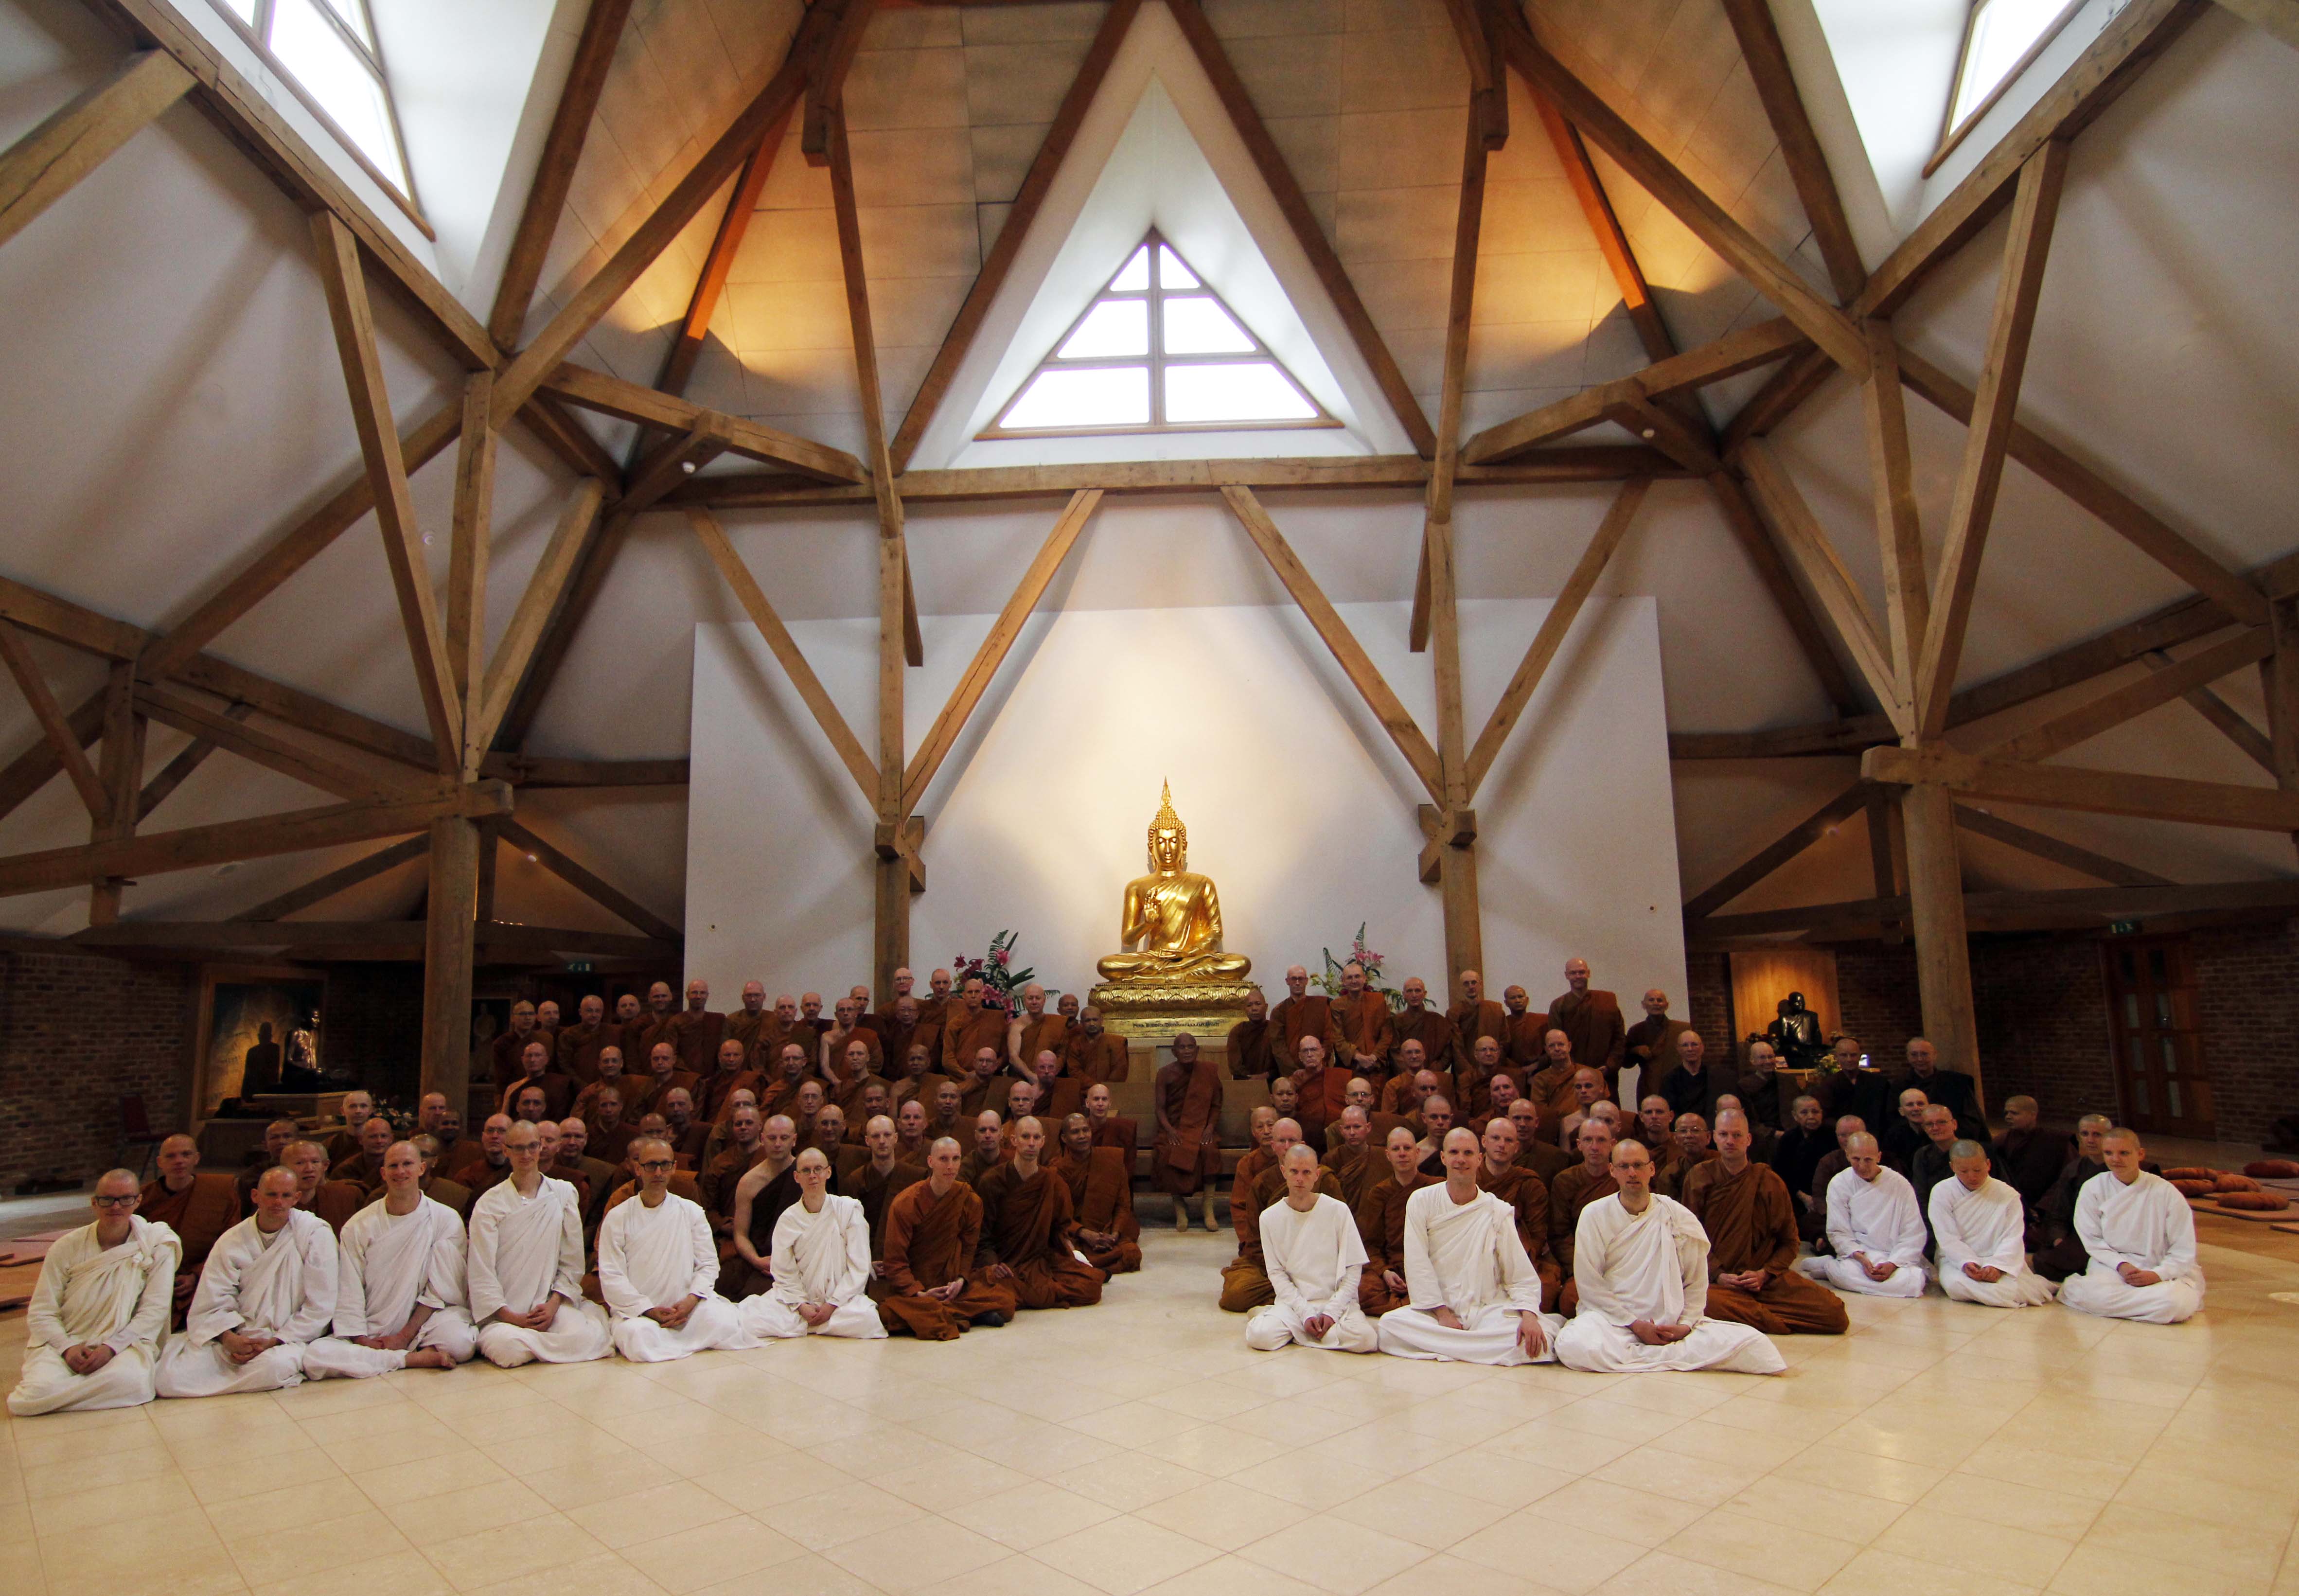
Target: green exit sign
point(578, 967)
point(2123, 928)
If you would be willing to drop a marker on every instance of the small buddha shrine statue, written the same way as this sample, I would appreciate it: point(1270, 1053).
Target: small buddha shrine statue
point(1171, 973)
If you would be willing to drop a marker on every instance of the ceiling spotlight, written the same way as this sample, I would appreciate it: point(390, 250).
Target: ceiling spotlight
point(530, 859)
point(1648, 433)
point(687, 466)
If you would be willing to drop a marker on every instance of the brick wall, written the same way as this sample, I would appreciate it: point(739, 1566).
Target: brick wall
point(374, 1027)
point(2041, 1004)
point(2248, 992)
point(78, 1032)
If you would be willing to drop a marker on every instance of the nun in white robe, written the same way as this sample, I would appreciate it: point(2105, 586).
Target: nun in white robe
point(522, 1250)
point(89, 1294)
point(280, 1286)
point(1467, 1256)
point(388, 1265)
point(2149, 1225)
point(823, 1259)
point(1313, 1261)
point(1879, 1218)
point(1986, 1226)
point(655, 1257)
point(1652, 1266)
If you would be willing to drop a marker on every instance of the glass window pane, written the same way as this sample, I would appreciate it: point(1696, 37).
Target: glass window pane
point(2131, 1009)
point(1096, 396)
point(1255, 391)
point(1113, 326)
point(1171, 273)
point(354, 16)
point(2171, 1098)
point(2001, 34)
point(1196, 325)
point(245, 9)
point(336, 75)
point(1136, 275)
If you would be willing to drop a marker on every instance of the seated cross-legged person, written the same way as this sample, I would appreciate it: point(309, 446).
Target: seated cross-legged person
point(105, 1290)
point(1744, 1210)
point(526, 1267)
point(1980, 1232)
point(1472, 1294)
point(400, 1296)
point(1380, 1222)
point(1027, 1223)
point(1873, 1226)
point(658, 1269)
point(1315, 1259)
point(2139, 1235)
point(1101, 1196)
point(267, 1293)
point(1640, 1262)
point(934, 1228)
point(822, 1264)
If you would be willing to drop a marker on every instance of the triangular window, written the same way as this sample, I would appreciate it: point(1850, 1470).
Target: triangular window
point(1156, 351)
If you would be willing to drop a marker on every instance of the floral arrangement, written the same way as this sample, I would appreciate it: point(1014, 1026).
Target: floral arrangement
point(1329, 980)
point(1001, 983)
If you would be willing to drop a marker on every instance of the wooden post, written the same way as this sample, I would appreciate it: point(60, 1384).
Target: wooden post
point(2279, 676)
point(123, 771)
point(449, 938)
point(1936, 906)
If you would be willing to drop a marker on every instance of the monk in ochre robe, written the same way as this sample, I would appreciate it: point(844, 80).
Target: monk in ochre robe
point(755, 1025)
point(1033, 1031)
point(934, 1228)
point(1528, 1031)
point(1380, 1222)
point(1095, 1054)
point(1110, 1130)
point(1026, 1226)
point(334, 1200)
point(1475, 1015)
point(1527, 1195)
point(1300, 1013)
point(1251, 1041)
point(659, 1022)
point(967, 1028)
point(1188, 1097)
point(1591, 1017)
point(1361, 1024)
point(1752, 1243)
point(1572, 1192)
point(199, 1208)
point(1417, 1022)
point(1245, 1278)
point(1351, 1157)
point(579, 1044)
point(503, 1052)
point(877, 1178)
point(358, 1108)
point(1100, 1180)
point(792, 1068)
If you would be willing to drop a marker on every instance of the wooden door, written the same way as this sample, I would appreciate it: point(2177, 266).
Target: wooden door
point(2162, 1080)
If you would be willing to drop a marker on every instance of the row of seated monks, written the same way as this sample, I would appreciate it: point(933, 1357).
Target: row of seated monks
point(806, 1192)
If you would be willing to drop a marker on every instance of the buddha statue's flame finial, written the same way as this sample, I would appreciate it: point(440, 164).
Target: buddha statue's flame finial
point(1166, 820)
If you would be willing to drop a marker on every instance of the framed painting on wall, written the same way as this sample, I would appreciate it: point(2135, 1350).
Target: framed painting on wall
point(259, 1034)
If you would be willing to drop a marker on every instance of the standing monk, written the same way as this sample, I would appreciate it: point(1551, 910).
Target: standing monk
point(1475, 1015)
point(198, 1208)
point(1101, 1196)
point(1650, 1044)
point(579, 1044)
point(1528, 1032)
point(1187, 1095)
point(1591, 1017)
point(1300, 1015)
point(1752, 1238)
point(1251, 1039)
point(754, 1025)
point(932, 1230)
point(99, 1311)
point(1096, 1055)
point(1034, 1031)
point(1027, 1221)
point(658, 1023)
point(1417, 1022)
point(967, 1028)
point(1361, 1018)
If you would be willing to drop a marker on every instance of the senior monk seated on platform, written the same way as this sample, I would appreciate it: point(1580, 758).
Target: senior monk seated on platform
point(1874, 1229)
point(1100, 1180)
point(933, 1231)
point(1027, 1221)
point(1752, 1242)
point(1979, 1230)
point(267, 1293)
point(822, 1264)
point(658, 1269)
point(198, 1208)
point(1527, 1195)
point(1380, 1222)
point(358, 1108)
point(2139, 1236)
point(1314, 1260)
point(1640, 1264)
point(769, 1187)
point(525, 1267)
point(1187, 1098)
point(1245, 1281)
point(93, 1330)
point(1472, 1294)
point(400, 1290)
point(332, 1201)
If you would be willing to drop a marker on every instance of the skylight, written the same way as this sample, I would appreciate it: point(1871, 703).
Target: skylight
point(2001, 40)
point(1156, 351)
point(325, 51)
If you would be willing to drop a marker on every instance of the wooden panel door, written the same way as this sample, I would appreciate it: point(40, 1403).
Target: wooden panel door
point(2162, 1080)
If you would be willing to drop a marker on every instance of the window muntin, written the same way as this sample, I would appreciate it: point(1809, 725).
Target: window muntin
point(325, 51)
point(1156, 351)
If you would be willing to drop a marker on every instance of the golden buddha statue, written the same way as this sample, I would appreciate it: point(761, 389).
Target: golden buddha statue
point(1171, 971)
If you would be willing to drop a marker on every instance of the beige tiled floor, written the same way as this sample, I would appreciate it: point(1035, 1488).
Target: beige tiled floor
point(1138, 1447)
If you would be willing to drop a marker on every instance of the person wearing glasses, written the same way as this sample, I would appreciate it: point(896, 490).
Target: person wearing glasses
point(524, 1265)
point(100, 1310)
point(658, 1269)
point(822, 1262)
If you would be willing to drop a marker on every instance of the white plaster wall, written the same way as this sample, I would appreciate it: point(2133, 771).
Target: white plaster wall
point(1296, 807)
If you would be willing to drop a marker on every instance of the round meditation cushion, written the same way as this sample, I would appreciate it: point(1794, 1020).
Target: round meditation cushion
point(2236, 1182)
point(2194, 1188)
point(2261, 1202)
point(2272, 1169)
point(2192, 1172)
